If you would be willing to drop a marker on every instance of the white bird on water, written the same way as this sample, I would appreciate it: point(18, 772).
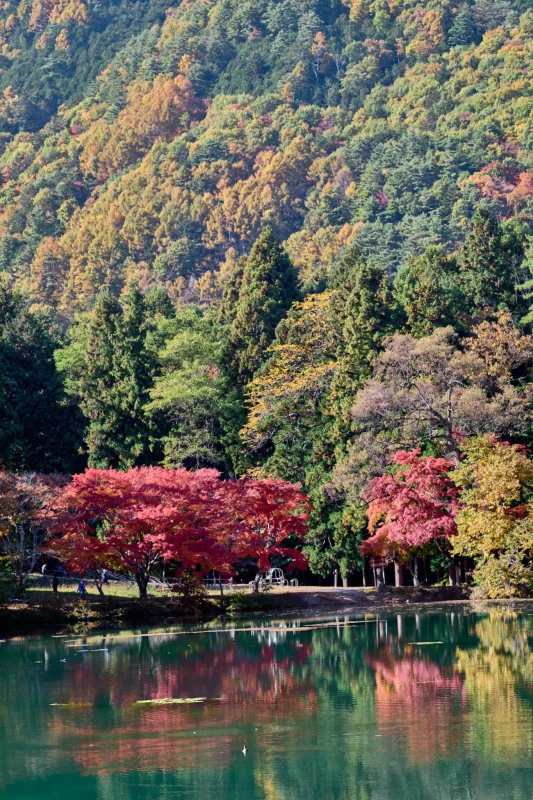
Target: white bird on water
point(244, 750)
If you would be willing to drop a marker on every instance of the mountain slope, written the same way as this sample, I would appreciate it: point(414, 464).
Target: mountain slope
point(384, 124)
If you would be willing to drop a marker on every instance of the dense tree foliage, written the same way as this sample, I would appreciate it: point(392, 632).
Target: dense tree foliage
point(278, 239)
point(39, 430)
point(26, 507)
point(495, 520)
point(412, 508)
point(332, 122)
point(110, 373)
point(142, 519)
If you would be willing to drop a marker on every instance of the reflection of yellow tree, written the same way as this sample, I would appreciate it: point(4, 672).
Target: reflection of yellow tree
point(494, 673)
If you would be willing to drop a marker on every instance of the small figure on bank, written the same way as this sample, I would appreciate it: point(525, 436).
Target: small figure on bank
point(55, 583)
point(104, 576)
point(81, 588)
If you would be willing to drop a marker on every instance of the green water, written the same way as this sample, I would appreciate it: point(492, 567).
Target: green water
point(433, 706)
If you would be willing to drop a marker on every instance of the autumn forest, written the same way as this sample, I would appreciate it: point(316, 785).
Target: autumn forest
point(266, 289)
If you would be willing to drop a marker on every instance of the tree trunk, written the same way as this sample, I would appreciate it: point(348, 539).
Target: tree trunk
point(142, 583)
point(398, 574)
point(380, 577)
point(364, 573)
point(335, 578)
point(257, 581)
point(454, 574)
point(345, 583)
point(415, 571)
point(98, 585)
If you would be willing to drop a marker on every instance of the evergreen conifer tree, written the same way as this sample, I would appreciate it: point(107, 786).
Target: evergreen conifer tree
point(39, 429)
point(368, 313)
point(269, 286)
point(427, 289)
point(227, 308)
point(491, 261)
point(463, 29)
point(114, 387)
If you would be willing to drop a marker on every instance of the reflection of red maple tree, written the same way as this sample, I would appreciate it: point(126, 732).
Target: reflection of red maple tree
point(252, 686)
point(417, 701)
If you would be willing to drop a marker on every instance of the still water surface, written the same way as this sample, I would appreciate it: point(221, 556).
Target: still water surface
point(433, 706)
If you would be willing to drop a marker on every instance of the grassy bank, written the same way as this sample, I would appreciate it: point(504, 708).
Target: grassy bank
point(43, 612)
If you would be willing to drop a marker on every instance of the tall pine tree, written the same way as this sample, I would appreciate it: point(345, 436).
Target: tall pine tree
point(114, 386)
point(268, 287)
point(491, 263)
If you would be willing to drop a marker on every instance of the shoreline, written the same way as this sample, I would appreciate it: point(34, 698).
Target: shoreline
point(56, 615)
point(52, 613)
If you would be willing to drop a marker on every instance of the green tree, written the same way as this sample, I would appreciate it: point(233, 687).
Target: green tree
point(463, 29)
point(491, 263)
point(39, 429)
point(110, 370)
point(227, 308)
point(190, 392)
point(269, 286)
point(427, 290)
point(366, 310)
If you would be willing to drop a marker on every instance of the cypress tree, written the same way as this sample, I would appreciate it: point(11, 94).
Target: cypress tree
point(427, 289)
point(367, 315)
point(490, 262)
point(135, 370)
point(269, 286)
point(114, 388)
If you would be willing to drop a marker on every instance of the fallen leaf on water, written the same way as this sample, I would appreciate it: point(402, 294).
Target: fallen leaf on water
point(419, 644)
point(72, 705)
point(175, 700)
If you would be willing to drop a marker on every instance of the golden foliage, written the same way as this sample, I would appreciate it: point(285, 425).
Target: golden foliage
point(299, 370)
point(495, 522)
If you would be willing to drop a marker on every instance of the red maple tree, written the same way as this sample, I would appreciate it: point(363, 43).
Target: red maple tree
point(269, 519)
point(411, 507)
point(136, 521)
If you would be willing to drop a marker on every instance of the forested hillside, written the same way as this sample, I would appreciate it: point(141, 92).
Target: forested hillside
point(380, 123)
point(282, 238)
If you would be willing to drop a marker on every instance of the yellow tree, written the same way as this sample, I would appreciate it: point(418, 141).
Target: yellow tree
point(495, 523)
point(298, 372)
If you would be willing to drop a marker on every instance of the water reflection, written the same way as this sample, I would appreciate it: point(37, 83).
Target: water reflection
point(421, 706)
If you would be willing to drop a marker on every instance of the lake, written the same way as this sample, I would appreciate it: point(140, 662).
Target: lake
point(429, 706)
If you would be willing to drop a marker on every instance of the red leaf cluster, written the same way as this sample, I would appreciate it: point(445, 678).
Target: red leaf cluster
point(133, 521)
point(411, 507)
